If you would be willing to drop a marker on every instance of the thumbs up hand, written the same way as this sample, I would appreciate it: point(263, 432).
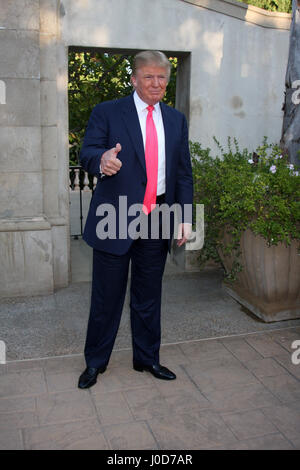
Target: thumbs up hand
point(110, 164)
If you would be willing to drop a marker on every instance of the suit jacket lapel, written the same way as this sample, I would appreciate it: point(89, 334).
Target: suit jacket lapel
point(132, 123)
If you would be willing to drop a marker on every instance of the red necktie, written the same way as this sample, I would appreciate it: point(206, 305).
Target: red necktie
point(151, 157)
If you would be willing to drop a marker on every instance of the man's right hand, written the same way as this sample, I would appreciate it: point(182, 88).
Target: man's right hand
point(110, 164)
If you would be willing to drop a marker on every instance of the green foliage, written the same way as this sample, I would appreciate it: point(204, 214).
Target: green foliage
point(240, 191)
point(284, 6)
point(95, 77)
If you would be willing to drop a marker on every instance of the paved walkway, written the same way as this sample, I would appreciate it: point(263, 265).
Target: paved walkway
point(236, 385)
point(194, 306)
point(234, 392)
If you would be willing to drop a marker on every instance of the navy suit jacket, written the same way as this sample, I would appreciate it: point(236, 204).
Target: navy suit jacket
point(117, 121)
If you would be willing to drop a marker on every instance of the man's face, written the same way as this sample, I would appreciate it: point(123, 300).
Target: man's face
point(150, 83)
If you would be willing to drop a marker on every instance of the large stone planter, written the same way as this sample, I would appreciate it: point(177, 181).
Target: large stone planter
point(269, 284)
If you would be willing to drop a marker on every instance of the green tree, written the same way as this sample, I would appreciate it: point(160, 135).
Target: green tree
point(284, 6)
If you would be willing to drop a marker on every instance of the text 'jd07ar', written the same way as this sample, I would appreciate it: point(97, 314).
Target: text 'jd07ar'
point(153, 460)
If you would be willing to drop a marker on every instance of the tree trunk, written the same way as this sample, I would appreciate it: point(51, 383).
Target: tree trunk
point(290, 138)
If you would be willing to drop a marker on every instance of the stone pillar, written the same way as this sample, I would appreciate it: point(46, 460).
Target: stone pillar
point(54, 113)
point(30, 222)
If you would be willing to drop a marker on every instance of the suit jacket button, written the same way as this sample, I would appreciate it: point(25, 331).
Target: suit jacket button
point(144, 183)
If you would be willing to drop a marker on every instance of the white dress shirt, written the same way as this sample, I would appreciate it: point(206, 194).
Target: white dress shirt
point(142, 111)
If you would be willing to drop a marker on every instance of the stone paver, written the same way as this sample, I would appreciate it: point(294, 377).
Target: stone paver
point(267, 367)
point(196, 430)
point(268, 442)
point(147, 403)
point(238, 392)
point(285, 387)
point(11, 439)
point(247, 424)
point(285, 361)
point(265, 345)
point(219, 374)
point(112, 408)
point(22, 383)
point(135, 435)
point(64, 406)
point(286, 418)
point(78, 435)
point(285, 337)
point(241, 349)
point(204, 350)
point(242, 397)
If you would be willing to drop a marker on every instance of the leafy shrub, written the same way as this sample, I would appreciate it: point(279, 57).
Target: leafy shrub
point(242, 190)
point(284, 6)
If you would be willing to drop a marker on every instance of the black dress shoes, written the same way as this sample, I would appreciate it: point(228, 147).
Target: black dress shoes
point(89, 377)
point(157, 370)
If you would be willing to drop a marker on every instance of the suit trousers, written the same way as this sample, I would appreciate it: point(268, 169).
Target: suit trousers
point(110, 276)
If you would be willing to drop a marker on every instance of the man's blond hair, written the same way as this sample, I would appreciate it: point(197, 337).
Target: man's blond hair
point(151, 57)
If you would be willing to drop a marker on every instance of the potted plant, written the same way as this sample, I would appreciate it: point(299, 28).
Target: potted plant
point(252, 225)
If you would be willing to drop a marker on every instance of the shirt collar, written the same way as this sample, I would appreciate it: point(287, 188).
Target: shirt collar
point(141, 105)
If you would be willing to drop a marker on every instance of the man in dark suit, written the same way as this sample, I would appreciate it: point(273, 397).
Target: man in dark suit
point(138, 148)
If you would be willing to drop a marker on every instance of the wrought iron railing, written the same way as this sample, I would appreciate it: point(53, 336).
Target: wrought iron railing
point(80, 182)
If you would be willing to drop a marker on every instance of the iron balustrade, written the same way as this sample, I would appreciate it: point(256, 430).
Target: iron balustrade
point(81, 182)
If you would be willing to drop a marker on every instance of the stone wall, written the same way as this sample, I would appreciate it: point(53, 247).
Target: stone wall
point(230, 82)
point(234, 57)
point(34, 239)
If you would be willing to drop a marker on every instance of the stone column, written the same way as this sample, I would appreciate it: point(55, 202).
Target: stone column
point(29, 213)
point(54, 114)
